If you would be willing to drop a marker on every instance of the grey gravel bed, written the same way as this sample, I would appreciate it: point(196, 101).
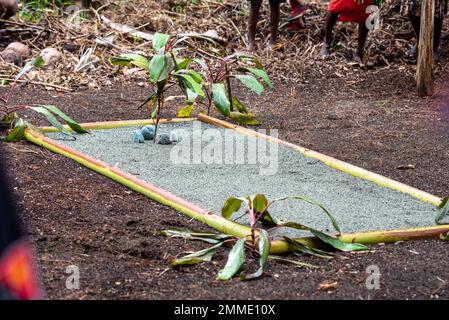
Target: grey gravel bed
point(358, 205)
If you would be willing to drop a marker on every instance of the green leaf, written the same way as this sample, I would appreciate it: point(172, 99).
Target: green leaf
point(204, 255)
point(160, 40)
point(444, 237)
point(130, 58)
point(260, 202)
point(185, 112)
point(70, 122)
point(337, 243)
point(220, 98)
point(250, 82)
point(302, 248)
point(182, 63)
point(17, 132)
point(239, 105)
point(236, 259)
point(52, 119)
point(294, 262)
point(231, 206)
point(156, 67)
point(443, 210)
point(264, 251)
point(259, 73)
point(169, 66)
point(192, 84)
point(243, 118)
point(30, 65)
point(186, 233)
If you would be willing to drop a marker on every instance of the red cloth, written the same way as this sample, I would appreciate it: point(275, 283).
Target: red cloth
point(349, 10)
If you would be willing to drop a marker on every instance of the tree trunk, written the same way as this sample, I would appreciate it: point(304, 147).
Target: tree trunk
point(424, 74)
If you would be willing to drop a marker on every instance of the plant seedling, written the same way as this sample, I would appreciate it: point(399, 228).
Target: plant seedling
point(258, 243)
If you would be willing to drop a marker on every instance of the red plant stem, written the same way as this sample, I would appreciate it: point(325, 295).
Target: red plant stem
point(11, 89)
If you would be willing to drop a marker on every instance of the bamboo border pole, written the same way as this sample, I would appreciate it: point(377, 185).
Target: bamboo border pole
point(118, 124)
point(213, 220)
point(332, 162)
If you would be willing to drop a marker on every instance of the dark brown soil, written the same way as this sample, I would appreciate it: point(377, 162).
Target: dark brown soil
point(77, 217)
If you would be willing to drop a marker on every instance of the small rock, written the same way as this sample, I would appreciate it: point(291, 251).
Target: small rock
point(50, 56)
point(148, 132)
point(22, 49)
point(174, 137)
point(16, 53)
point(164, 138)
point(138, 137)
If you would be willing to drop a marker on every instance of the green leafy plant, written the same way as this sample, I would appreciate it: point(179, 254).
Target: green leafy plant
point(258, 244)
point(202, 80)
point(33, 10)
point(15, 126)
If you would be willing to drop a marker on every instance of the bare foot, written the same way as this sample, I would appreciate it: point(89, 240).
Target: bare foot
point(325, 51)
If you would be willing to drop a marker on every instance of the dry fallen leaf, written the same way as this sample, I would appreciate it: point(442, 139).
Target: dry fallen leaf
point(406, 166)
point(328, 285)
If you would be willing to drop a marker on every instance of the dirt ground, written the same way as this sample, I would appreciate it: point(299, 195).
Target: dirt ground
point(77, 217)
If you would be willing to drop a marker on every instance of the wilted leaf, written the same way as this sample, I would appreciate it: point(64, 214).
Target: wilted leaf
point(302, 248)
point(236, 259)
point(70, 122)
point(185, 112)
point(17, 132)
point(52, 119)
point(264, 251)
point(243, 118)
point(443, 211)
point(250, 82)
point(220, 98)
point(337, 243)
point(231, 206)
point(204, 255)
point(294, 262)
point(239, 105)
point(195, 235)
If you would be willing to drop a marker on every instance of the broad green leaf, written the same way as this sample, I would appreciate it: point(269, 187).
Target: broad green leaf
point(443, 211)
point(231, 206)
point(131, 58)
point(182, 63)
point(260, 202)
point(186, 233)
point(185, 112)
point(236, 260)
point(259, 73)
point(294, 262)
point(169, 66)
point(302, 248)
point(337, 243)
point(220, 98)
point(264, 251)
point(52, 119)
point(243, 118)
point(204, 255)
point(239, 105)
point(70, 122)
point(156, 67)
point(192, 84)
point(160, 40)
point(30, 65)
point(17, 132)
point(250, 82)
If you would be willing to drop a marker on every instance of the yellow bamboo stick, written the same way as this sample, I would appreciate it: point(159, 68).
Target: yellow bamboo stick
point(213, 220)
point(117, 124)
point(332, 162)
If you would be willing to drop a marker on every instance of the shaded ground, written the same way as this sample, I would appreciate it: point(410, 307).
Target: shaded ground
point(76, 216)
